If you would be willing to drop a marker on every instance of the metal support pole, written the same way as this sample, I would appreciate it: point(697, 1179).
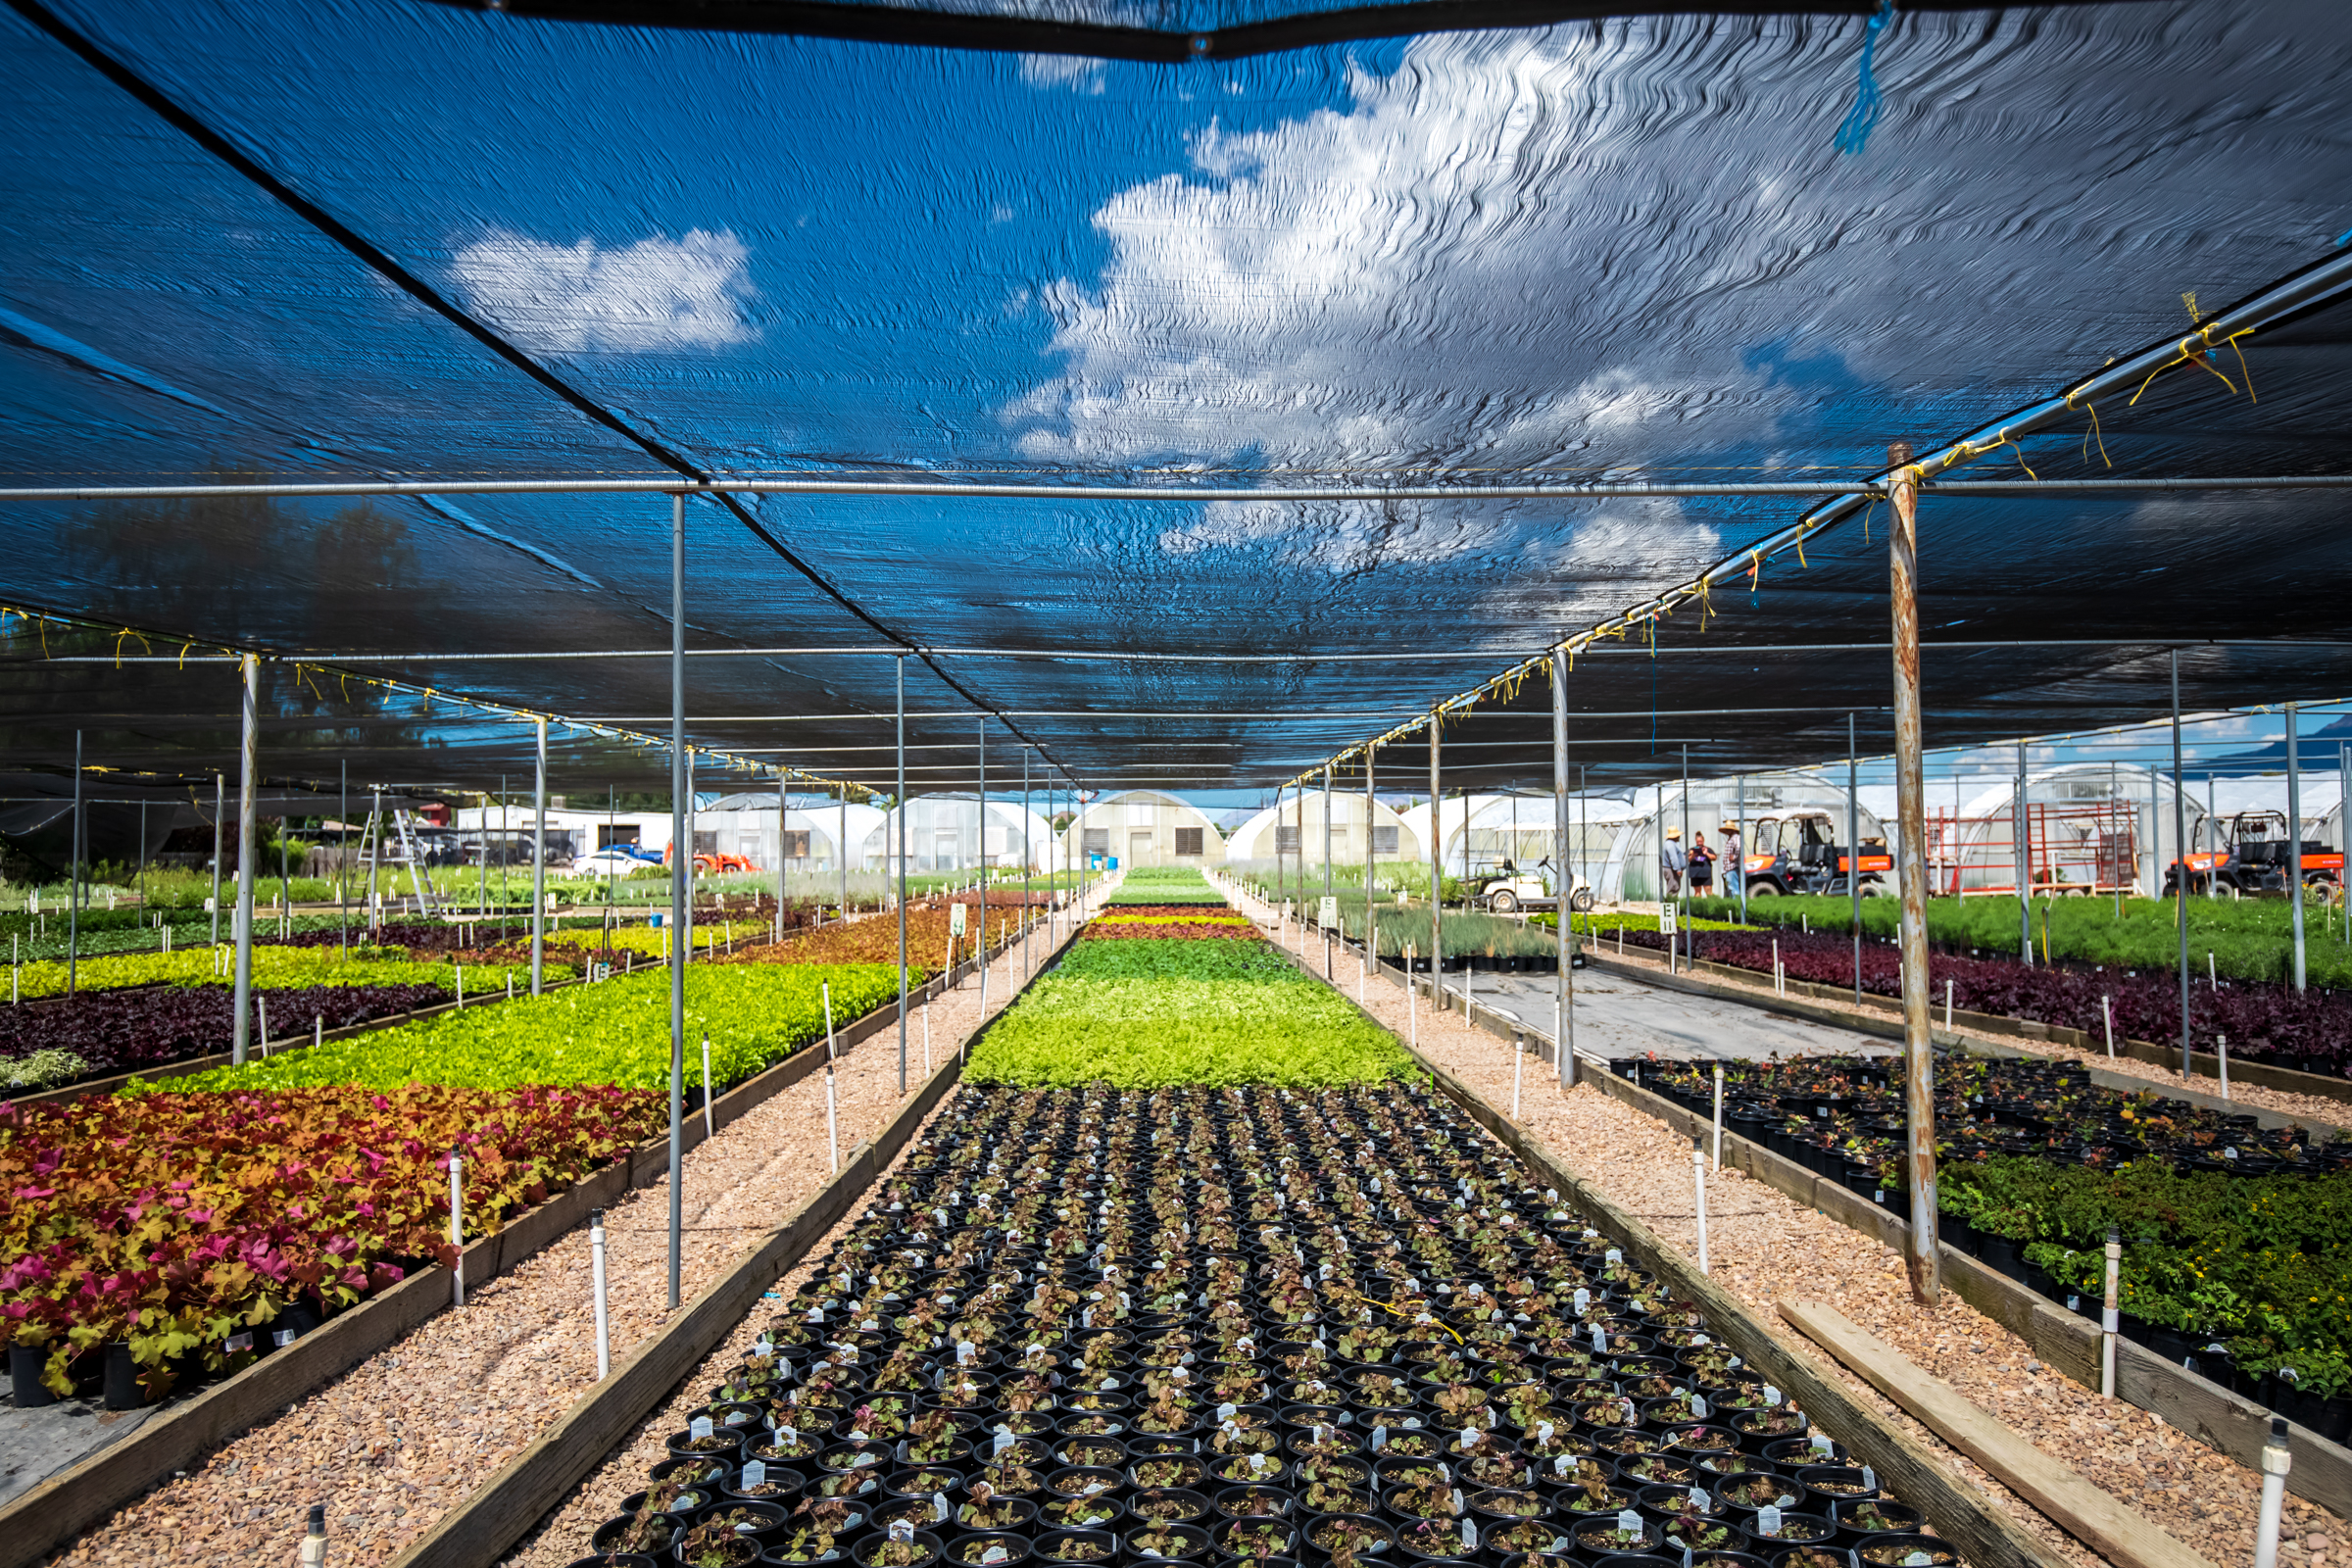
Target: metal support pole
point(1853, 850)
point(220, 820)
point(1911, 877)
point(1327, 955)
point(841, 849)
point(1563, 995)
point(783, 823)
point(1025, 863)
point(2022, 851)
point(74, 877)
point(980, 857)
point(343, 861)
point(456, 1227)
point(1719, 1115)
point(1371, 914)
point(539, 868)
point(902, 814)
point(2180, 890)
point(248, 761)
point(1682, 887)
point(681, 861)
point(1739, 823)
point(2294, 840)
point(1437, 866)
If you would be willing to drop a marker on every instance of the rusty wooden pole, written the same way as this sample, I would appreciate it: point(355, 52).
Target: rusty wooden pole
point(1911, 874)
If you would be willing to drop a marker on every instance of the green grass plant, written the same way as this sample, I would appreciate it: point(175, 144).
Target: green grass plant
point(617, 1032)
point(1148, 1013)
point(272, 967)
point(2249, 939)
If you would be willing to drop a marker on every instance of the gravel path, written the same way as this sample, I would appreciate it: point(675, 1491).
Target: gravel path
point(1763, 1246)
point(403, 1437)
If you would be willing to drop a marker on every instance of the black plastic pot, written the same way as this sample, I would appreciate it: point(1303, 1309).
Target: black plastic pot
point(992, 1549)
point(24, 1366)
point(929, 1548)
point(1044, 1547)
point(1900, 1546)
point(1192, 1543)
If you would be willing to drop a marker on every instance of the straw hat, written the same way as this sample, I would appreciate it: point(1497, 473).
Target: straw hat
point(1674, 832)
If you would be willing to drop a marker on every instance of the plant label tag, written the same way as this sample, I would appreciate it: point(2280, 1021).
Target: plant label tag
point(789, 1435)
point(902, 1530)
point(1469, 1438)
point(1543, 1431)
point(1822, 1443)
point(1601, 1341)
point(1699, 1340)
point(1469, 1537)
point(1697, 1501)
point(966, 1352)
point(1870, 1479)
point(994, 1554)
point(1698, 1407)
point(1768, 1520)
point(282, 1338)
point(699, 1427)
point(1225, 1413)
point(816, 1314)
point(1686, 1557)
point(1559, 1466)
point(1613, 1257)
point(755, 1474)
point(1919, 1559)
point(239, 1342)
point(1380, 1438)
point(1583, 1300)
point(1772, 1395)
point(1457, 1500)
point(1629, 1522)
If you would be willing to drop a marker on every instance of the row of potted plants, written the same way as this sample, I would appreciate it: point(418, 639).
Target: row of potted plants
point(169, 1236)
point(2232, 1232)
point(116, 1031)
point(2308, 1031)
point(1243, 1325)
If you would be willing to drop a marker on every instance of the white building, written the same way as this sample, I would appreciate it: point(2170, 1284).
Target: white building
point(1144, 827)
point(1295, 827)
point(949, 833)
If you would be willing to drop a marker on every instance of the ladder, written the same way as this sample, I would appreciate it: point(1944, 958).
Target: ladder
point(402, 822)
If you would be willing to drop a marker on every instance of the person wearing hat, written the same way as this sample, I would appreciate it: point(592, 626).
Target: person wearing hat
point(1670, 863)
point(1733, 867)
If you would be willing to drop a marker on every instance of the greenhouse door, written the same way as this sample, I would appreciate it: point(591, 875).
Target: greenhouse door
point(1139, 845)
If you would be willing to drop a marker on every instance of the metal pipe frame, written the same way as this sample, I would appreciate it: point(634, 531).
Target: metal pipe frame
point(1911, 878)
point(539, 871)
point(681, 859)
point(1563, 1034)
point(249, 764)
point(1875, 488)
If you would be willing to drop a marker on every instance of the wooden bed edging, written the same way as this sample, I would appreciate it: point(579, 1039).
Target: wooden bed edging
point(1961, 1513)
point(509, 1505)
point(55, 1511)
point(2225, 1422)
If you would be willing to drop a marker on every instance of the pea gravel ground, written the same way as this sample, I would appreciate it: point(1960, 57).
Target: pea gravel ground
point(1763, 1246)
point(403, 1436)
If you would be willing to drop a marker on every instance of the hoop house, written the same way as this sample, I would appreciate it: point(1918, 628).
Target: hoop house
point(945, 833)
point(1295, 829)
point(1144, 827)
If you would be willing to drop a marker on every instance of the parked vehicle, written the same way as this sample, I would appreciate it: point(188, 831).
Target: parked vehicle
point(1801, 854)
point(2253, 859)
point(1507, 890)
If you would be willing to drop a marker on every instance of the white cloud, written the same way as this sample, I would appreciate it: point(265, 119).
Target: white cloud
point(656, 294)
point(1074, 71)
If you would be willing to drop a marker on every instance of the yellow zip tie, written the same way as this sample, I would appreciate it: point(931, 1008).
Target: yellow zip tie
point(1706, 604)
point(1800, 549)
point(2092, 410)
point(1755, 569)
point(1870, 506)
point(2242, 368)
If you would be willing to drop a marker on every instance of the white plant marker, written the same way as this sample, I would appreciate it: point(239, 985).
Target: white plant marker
point(456, 1225)
point(604, 1319)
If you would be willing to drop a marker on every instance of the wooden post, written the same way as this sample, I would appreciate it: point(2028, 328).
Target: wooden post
point(1911, 873)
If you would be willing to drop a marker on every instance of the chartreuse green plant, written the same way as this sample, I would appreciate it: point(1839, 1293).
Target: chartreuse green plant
point(617, 1032)
point(273, 967)
point(1148, 1013)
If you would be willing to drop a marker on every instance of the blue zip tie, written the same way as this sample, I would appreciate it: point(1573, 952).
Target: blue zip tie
point(1854, 134)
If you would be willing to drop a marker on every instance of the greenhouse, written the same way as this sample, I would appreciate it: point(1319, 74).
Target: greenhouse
point(852, 785)
point(1143, 828)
